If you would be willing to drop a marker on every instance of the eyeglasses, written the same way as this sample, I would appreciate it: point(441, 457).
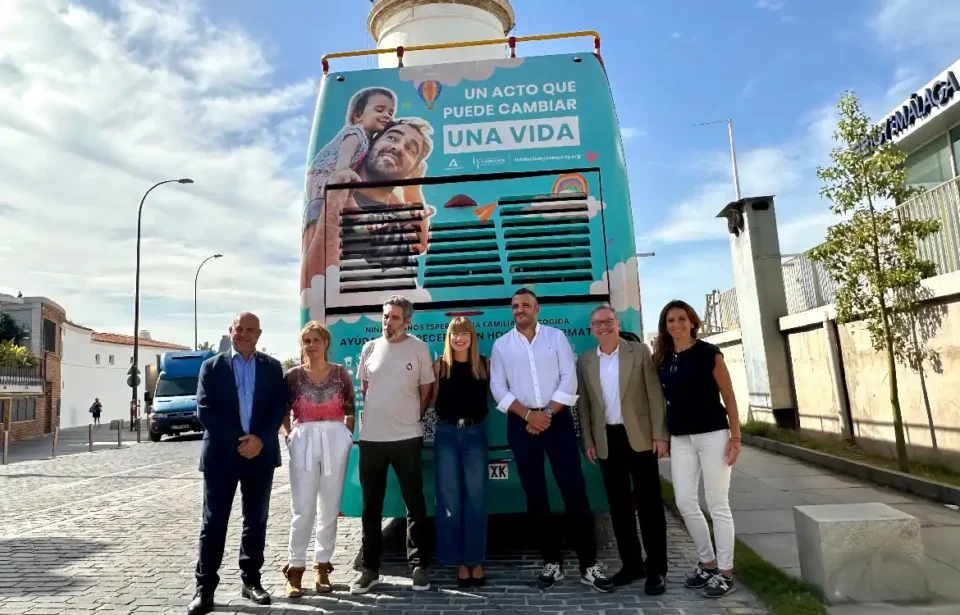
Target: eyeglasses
point(602, 324)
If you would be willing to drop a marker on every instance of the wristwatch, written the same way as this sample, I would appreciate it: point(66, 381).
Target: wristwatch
point(548, 412)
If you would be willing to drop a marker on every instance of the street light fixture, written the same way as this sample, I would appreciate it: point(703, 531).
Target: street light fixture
point(733, 154)
point(134, 379)
point(196, 343)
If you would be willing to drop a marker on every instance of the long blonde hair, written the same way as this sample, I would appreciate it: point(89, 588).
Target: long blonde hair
point(478, 367)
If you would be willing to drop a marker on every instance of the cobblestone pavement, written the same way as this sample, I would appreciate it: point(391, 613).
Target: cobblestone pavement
point(115, 531)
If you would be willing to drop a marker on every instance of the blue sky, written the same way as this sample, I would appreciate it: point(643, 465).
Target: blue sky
point(225, 89)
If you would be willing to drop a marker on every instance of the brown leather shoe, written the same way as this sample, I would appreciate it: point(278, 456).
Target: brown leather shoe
point(321, 577)
point(294, 581)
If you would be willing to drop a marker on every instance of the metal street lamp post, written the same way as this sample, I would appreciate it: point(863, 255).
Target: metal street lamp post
point(133, 378)
point(196, 343)
point(733, 155)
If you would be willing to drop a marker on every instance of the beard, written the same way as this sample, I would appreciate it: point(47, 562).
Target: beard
point(384, 166)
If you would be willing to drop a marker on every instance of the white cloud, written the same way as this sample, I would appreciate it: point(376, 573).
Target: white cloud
point(771, 5)
point(902, 25)
point(97, 110)
point(623, 285)
point(451, 74)
point(631, 132)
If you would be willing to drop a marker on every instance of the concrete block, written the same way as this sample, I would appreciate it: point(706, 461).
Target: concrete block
point(861, 552)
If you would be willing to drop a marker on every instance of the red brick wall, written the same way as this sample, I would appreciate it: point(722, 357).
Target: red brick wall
point(46, 404)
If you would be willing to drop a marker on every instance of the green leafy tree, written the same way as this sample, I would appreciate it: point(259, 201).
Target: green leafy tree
point(10, 329)
point(289, 363)
point(872, 254)
point(12, 355)
point(206, 346)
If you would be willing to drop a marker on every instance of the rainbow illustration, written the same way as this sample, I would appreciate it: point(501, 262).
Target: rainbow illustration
point(570, 182)
point(429, 92)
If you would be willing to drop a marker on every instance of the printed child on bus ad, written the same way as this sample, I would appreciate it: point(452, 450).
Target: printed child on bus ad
point(374, 145)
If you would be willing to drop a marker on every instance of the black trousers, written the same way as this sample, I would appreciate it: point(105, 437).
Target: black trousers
point(559, 444)
point(376, 458)
point(622, 464)
point(255, 478)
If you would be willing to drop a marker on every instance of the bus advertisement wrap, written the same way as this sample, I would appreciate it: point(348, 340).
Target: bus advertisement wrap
point(454, 185)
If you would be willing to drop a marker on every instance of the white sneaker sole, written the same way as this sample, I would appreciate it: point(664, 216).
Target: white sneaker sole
point(730, 591)
point(421, 588)
point(359, 591)
point(590, 584)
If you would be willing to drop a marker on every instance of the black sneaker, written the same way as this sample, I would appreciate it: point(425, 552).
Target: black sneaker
point(549, 576)
point(421, 579)
point(701, 576)
point(719, 586)
point(594, 577)
point(367, 581)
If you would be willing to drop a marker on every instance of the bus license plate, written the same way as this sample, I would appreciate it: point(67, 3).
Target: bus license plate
point(180, 427)
point(499, 471)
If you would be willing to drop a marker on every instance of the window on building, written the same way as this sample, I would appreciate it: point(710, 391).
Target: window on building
point(50, 336)
point(929, 166)
point(110, 359)
point(96, 359)
point(24, 409)
point(955, 142)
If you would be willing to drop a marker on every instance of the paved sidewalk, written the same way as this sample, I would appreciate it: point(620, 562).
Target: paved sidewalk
point(766, 486)
point(115, 532)
point(71, 441)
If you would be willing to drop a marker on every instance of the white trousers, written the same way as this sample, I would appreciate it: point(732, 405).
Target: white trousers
point(318, 466)
point(691, 456)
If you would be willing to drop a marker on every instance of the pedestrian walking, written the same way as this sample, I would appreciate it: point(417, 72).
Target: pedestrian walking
point(396, 374)
point(241, 401)
point(320, 397)
point(460, 393)
point(704, 440)
point(95, 409)
point(533, 379)
point(623, 427)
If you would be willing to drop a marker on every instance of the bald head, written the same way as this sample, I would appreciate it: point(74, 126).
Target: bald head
point(245, 333)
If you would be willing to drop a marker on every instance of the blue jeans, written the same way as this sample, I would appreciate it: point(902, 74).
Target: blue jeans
point(461, 464)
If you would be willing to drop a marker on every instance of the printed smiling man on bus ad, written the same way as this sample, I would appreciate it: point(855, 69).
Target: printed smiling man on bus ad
point(454, 185)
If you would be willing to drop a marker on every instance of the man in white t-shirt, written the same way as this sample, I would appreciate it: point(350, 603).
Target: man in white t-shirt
point(396, 372)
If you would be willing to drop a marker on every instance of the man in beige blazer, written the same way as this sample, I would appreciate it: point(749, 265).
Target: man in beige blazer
point(623, 424)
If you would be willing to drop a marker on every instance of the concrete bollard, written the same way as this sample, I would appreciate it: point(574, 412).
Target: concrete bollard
point(138, 430)
point(56, 436)
point(90, 437)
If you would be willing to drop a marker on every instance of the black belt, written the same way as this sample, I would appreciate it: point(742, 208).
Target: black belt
point(461, 422)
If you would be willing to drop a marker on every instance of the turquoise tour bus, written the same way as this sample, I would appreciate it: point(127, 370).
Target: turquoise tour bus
point(455, 185)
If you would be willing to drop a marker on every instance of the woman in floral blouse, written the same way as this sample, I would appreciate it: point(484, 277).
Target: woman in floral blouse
point(320, 397)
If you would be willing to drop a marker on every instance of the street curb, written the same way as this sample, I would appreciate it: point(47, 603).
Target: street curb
point(930, 489)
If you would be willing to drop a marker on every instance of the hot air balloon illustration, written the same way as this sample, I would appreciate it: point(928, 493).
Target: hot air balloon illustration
point(429, 92)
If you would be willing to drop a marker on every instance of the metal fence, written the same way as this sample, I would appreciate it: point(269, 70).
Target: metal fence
point(940, 203)
point(21, 376)
point(807, 283)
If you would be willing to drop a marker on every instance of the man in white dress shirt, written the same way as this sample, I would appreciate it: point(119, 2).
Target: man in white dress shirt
point(533, 380)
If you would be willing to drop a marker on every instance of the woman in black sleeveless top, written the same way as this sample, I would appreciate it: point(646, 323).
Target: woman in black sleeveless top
point(704, 440)
point(461, 391)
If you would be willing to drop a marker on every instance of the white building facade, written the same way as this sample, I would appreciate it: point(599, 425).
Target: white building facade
point(95, 366)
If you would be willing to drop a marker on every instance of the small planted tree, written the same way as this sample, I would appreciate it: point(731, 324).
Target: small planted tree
point(872, 253)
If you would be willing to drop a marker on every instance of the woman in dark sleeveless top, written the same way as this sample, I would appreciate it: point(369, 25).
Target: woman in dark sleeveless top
point(460, 394)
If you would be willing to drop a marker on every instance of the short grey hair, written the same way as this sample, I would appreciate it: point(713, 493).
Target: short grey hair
point(605, 307)
point(401, 302)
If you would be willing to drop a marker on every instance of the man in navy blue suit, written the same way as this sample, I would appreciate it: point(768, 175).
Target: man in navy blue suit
point(241, 401)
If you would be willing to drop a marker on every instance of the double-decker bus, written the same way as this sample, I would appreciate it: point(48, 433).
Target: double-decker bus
point(480, 178)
